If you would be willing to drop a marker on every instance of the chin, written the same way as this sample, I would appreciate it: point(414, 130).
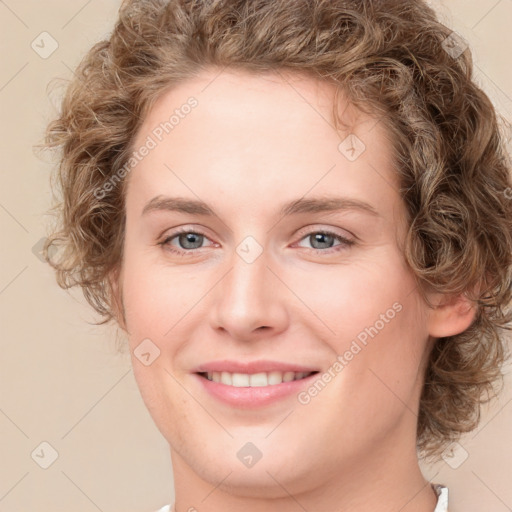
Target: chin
point(260, 481)
point(249, 466)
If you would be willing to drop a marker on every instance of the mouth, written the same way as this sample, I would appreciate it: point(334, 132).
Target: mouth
point(254, 380)
point(256, 384)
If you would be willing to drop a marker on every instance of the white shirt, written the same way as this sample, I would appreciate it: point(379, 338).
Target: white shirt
point(441, 491)
point(442, 500)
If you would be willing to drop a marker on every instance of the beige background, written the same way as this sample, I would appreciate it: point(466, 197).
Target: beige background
point(61, 379)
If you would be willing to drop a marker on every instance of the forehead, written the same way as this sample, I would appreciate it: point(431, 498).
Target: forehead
point(284, 99)
point(250, 135)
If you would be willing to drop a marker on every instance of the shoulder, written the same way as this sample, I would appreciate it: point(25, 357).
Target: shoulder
point(166, 508)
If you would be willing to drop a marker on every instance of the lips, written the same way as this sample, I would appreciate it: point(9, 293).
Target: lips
point(253, 384)
point(251, 367)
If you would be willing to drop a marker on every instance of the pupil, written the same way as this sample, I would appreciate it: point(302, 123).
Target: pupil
point(319, 236)
point(188, 238)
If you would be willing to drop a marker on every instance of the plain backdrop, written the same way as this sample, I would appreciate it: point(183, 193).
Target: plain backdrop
point(68, 399)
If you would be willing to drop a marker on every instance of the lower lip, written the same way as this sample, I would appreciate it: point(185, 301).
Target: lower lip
point(247, 397)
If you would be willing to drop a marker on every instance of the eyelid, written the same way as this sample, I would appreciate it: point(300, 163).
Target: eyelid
point(344, 243)
point(181, 230)
point(302, 233)
point(346, 235)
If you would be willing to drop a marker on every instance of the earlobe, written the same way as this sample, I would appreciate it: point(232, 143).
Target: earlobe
point(451, 315)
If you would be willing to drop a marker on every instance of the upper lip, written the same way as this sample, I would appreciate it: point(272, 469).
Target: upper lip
point(252, 367)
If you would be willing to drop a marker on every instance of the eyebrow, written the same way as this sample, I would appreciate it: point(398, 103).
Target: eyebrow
point(298, 206)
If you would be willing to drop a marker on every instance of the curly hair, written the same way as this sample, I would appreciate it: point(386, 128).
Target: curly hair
point(389, 58)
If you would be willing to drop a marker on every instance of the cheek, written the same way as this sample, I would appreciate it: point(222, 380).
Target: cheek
point(359, 300)
point(376, 323)
point(159, 299)
point(374, 378)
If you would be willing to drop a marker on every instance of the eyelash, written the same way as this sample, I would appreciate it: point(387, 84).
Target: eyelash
point(344, 242)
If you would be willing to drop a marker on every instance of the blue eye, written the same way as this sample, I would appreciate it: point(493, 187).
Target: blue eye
point(325, 239)
point(188, 241)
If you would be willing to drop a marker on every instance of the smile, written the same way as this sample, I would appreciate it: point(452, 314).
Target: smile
point(254, 380)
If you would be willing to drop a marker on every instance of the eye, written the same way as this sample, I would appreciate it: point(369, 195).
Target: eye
point(187, 241)
point(322, 241)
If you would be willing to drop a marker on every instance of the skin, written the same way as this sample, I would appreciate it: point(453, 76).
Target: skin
point(253, 143)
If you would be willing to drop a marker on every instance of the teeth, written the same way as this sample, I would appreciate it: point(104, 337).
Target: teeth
point(244, 380)
point(239, 380)
point(258, 380)
point(288, 376)
point(274, 378)
point(226, 378)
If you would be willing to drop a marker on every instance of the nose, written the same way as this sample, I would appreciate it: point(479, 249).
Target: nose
point(249, 301)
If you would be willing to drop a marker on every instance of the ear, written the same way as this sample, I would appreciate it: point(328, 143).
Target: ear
point(451, 315)
point(115, 279)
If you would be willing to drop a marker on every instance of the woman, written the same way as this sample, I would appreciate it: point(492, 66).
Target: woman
point(297, 212)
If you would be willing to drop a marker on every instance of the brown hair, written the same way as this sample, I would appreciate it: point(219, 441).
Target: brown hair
point(388, 57)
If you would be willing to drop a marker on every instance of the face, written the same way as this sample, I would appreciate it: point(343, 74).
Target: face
point(275, 328)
